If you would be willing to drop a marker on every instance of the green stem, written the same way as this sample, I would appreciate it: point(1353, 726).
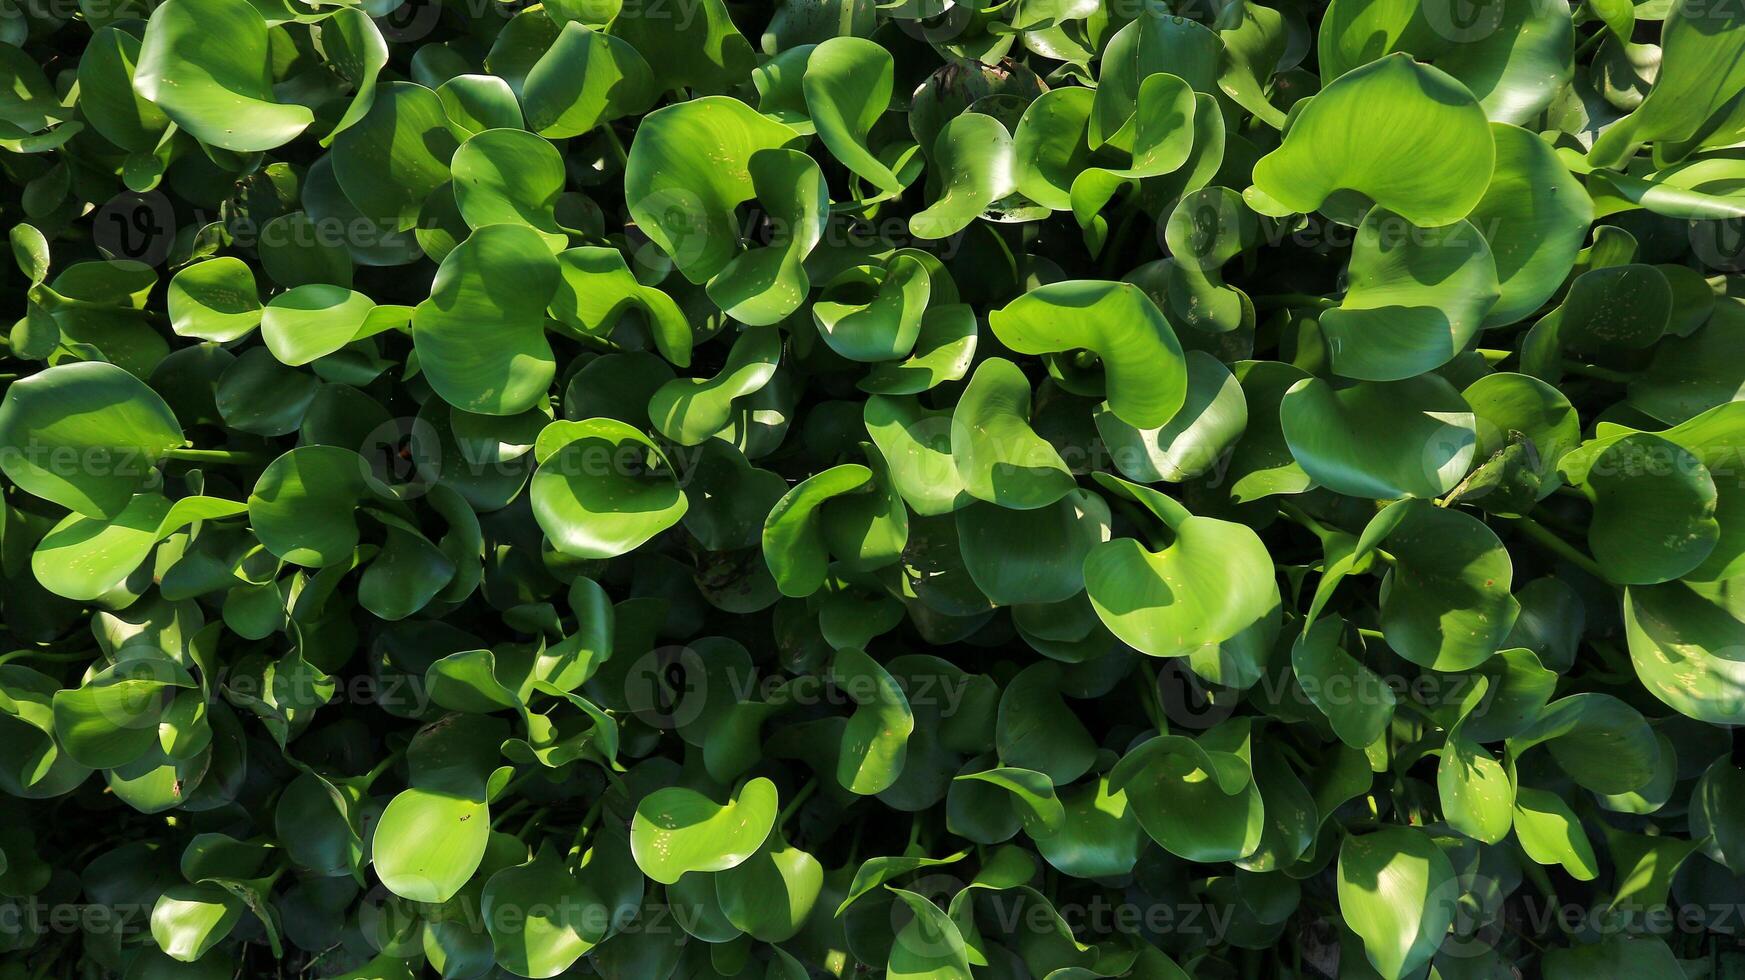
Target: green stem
point(368, 778)
point(531, 823)
point(510, 811)
point(1294, 513)
point(793, 805)
point(239, 457)
point(1548, 540)
point(71, 656)
point(1279, 300)
point(588, 821)
point(1148, 700)
point(1596, 372)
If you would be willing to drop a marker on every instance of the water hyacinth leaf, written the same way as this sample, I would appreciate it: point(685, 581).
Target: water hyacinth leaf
point(1550, 833)
point(189, 919)
point(1049, 149)
point(1535, 215)
point(1410, 438)
point(1703, 74)
point(1513, 56)
point(874, 312)
point(930, 946)
point(793, 537)
point(999, 457)
point(509, 176)
point(1145, 371)
point(584, 79)
point(85, 435)
point(1196, 799)
point(847, 85)
point(690, 410)
point(1684, 642)
point(1153, 42)
point(1397, 891)
point(475, 103)
point(677, 830)
point(1099, 836)
point(975, 153)
point(1212, 584)
point(214, 300)
point(1036, 730)
point(450, 832)
point(1654, 510)
point(1447, 602)
point(113, 718)
point(596, 290)
point(1262, 463)
point(1602, 743)
point(85, 558)
point(1357, 701)
point(764, 284)
point(205, 64)
point(875, 743)
point(480, 336)
point(771, 895)
point(302, 324)
point(1032, 795)
point(602, 488)
point(387, 163)
point(1212, 418)
point(108, 99)
point(1035, 556)
point(688, 170)
point(704, 47)
point(1615, 957)
point(562, 920)
point(1478, 797)
point(302, 507)
point(1417, 296)
point(358, 52)
point(1616, 308)
point(434, 834)
point(1403, 135)
point(1505, 403)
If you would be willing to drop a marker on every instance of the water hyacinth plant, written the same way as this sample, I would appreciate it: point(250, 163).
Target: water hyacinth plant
point(941, 489)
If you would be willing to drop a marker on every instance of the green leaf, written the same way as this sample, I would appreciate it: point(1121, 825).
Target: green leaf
point(929, 946)
point(1211, 585)
point(847, 85)
point(1403, 135)
point(214, 300)
point(999, 457)
point(602, 488)
point(584, 79)
point(678, 830)
point(480, 336)
point(1410, 438)
point(875, 744)
point(205, 63)
point(510, 176)
point(772, 894)
point(1397, 891)
point(687, 171)
point(1550, 833)
point(1417, 297)
point(560, 918)
point(1145, 374)
point(85, 435)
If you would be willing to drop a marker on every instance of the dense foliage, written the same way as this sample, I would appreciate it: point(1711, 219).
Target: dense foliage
point(942, 488)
